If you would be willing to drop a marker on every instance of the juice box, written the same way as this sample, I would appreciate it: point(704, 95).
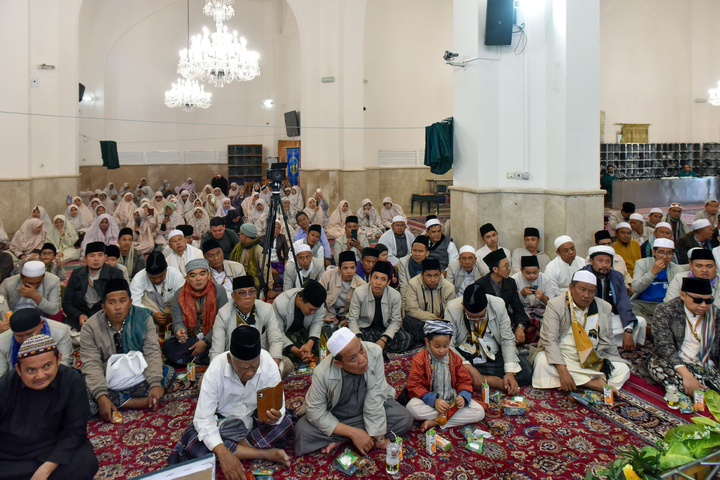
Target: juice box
point(430, 441)
point(608, 395)
point(699, 401)
point(191, 371)
point(486, 393)
point(443, 443)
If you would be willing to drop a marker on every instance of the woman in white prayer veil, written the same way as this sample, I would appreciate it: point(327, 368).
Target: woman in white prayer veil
point(41, 213)
point(336, 225)
point(389, 211)
point(75, 218)
point(369, 220)
point(234, 190)
point(314, 212)
point(109, 204)
point(86, 213)
point(112, 193)
point(124, 211)
point(224, 208)
point(257, 211)
point(296, 199)
point(248, 205)
point(63, 235)
point(199, 220)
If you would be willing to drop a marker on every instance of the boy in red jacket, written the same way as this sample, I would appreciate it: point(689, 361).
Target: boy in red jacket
point(438, 380)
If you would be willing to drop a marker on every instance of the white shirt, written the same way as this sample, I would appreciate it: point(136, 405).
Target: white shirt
point(558, 275)
point(223, 393)
point(190, 253)
point(469, 279)
point(317, 250)
point(140, 284)
point(224, 280)
point(531, 300)
point(390, 241)
point(690, 347)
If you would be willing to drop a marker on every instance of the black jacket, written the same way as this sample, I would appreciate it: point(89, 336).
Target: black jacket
point(684, 244)
point(220, 183)
point(509, 294)
point(74, 303)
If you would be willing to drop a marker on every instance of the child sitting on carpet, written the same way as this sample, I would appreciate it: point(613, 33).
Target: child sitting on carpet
point(438, 381)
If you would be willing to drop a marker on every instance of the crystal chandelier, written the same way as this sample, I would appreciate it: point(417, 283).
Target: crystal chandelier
point(714, 95)
point(187, 95)
point(220, 10)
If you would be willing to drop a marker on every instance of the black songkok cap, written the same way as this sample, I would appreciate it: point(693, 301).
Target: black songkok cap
point(701, 254)
point(346, 256)
point(531, 232)
point(370, 252)
point(529, 261)
point(210, 244)
point(487, 228)
point(698, 286)
point(314, 293)
point(186, 229)
point(24, 319)
point(493, 258)
point(155, 264)
point(422, 239)
point(49, 246)
point(602, 235)
point(112, 251)
point(94, 247)
point(351, 219)
point(245, 343)
point(430, 264)
point(474, 298)
point(315, 228)
point(382, 267)
point(125, 231)
point(245, 281)
point(116, 285)
point(628, 207)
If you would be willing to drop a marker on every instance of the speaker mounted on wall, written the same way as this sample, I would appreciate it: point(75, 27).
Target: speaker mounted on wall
point(499, 22)
point(81, 90)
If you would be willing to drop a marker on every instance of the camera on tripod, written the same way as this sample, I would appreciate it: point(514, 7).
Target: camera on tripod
point(276, 175)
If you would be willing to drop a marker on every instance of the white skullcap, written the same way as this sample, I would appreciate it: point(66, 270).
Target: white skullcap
point(317, 191)
point(398, 218)
point(431, 222)
point(303, 247)
point(584, 276)
point(663, 243)
point(467, 249)
point(702, 223)
point(711, 200)
point(601, 249)
point(663, 224)
point(175, 233)
point(339, 340)
point(636, 216)
point(623, 225)
point(562, 239)
point(34, 268)
point(655, 210)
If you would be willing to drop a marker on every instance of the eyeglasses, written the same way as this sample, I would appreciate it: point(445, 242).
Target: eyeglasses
point(253, 367)
point(665, 254)
point(246, 293)
point(699, 300)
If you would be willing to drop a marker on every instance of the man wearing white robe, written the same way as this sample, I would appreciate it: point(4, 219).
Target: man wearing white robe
point(181, 251)
point(560, 270)
point(393, 238)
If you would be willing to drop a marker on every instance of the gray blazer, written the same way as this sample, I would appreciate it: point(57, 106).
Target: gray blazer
point(341, 246)
point(271, 338)
point(284, 308)
point(49, 290)
point(362, 310)
point(456, 275)
point(58, 331)
point(324, 394)
point(290, 275)
point(404, 278)
point(643, 277)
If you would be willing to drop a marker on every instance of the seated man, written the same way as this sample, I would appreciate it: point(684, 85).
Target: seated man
point(223, 271)
point(350, 398)
point(224, 421)
point(662, 230)
point(193, 309)
point(654, 217)
point(499, 284)
point(246, 309)
point(112, 254)
point(181, 253)
point(121, 327)
point(397, 239)
point(626, 247)
point(627, 209)
point(300, 316)
point(628, 329)
point(710, 213)
point(313, 241)
point(350, 240)
point(640, 233)
point(53, 261)
point(560, 270)
point(34, 288)
point(577, 347)
point(441, 247)
point(464, 271)
point(25, 323)
point(340, 284)
point(702, 265)
point(411, 265)
point(700, 237)
point(603, 237)
point(132, 260)
point(249, 252)
point(374, 314)
point(677, 224)
point(427, 297)
point(86, 287)
point(531, 237)
point(367, 262)
point(43, 417)
point(490, 236)
point(226, 237)
point(303, 223)
point(530, 283)
point(652, 278)
point(686, 339)
point(484, 338)
point(311, 268)
point(154, 288)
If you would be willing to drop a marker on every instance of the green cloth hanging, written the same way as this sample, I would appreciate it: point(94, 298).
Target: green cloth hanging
point(109, 154)
point(439, 147)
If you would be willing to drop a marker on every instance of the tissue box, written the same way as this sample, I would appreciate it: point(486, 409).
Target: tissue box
point(514, 406)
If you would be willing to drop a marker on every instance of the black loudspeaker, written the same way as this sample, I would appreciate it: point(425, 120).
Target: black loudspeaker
point(81, 90)
point(292, 123)
point(499, 22)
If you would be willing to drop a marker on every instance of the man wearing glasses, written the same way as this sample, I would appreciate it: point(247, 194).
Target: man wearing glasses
point(687, 340)
point(702, 265)
point(652, 277)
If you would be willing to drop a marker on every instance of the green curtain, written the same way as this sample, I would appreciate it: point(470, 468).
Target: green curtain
point(109, 151)
point(439, 147)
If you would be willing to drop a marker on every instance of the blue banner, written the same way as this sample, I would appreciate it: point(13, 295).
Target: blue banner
point(293, 162)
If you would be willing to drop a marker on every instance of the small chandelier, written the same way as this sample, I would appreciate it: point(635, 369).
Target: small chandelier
point(220, 10)
point(714, 95)
point(187, 95)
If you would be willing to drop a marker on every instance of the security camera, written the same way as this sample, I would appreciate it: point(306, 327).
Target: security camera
point(449, 56)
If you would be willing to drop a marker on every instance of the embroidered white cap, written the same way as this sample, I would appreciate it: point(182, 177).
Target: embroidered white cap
point(584, 276)
point(663, 243)
point(562, 239)
point(34, 268)
point(339, 340)
point(467, 249)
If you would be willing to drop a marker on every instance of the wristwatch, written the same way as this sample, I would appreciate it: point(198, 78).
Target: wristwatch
point(522, 325)
point(629, 329)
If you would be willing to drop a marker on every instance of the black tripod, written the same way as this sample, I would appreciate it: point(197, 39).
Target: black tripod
point(275, 206)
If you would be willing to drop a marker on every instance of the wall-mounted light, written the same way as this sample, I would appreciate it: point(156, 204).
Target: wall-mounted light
point(88, 99)
point(268, 103)
point(714, 94)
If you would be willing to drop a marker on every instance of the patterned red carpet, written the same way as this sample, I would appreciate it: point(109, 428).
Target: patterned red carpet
point(556, 438)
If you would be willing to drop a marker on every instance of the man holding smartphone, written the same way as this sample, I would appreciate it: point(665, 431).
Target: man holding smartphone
point(350, 241)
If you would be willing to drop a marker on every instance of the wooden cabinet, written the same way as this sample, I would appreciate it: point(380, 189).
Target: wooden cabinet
point(245, 165)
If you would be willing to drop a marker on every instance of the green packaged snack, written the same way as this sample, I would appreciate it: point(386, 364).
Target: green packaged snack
point(346, 459)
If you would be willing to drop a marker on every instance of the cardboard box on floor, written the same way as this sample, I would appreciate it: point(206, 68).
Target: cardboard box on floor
point(199, 469)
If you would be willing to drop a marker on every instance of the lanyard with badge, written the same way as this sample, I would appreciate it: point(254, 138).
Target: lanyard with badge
point(471, 347)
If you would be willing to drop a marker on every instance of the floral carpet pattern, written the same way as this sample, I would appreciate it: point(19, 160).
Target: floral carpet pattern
point(556, 438)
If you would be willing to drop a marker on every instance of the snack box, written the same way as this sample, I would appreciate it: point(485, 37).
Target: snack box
point(443, 443)
point(430, 441)
point(514, 406)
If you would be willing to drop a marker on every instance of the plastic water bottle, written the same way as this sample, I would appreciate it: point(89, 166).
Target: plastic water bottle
point(392, 459)
point(672, 396)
